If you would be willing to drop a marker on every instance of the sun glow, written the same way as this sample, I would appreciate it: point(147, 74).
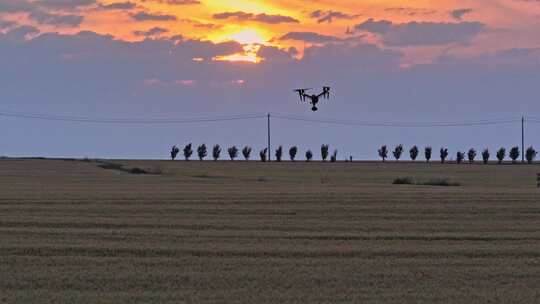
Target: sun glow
point(249, 55)
point(248, 36)
point(252, 40)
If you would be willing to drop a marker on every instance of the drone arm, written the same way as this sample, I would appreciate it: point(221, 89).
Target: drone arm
point(306, 96)
point(322, 94)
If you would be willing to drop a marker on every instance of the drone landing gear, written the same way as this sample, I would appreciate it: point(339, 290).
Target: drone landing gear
point(314, 109)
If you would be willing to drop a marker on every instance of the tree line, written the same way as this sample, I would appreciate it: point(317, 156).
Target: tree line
point(234, 153)
point(514, 153)
point(471, 155)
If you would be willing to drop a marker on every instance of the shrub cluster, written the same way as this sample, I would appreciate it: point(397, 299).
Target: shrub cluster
point(414, 152)
point(438, 182)
point(233, 153)
point(470, 155)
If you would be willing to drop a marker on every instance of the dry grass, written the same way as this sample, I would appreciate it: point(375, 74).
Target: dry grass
point(241, 232)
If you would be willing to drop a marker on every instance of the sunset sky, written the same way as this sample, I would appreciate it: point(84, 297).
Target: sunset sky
point(421, 29)
point(387, 60)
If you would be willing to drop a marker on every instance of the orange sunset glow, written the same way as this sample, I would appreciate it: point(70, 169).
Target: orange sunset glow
point(298, 24)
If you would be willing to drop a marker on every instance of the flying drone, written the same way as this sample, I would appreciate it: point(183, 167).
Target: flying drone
point(314, 99)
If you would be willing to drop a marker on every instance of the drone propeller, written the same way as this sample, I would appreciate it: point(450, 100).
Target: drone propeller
point(326, 92)
point(301, 93)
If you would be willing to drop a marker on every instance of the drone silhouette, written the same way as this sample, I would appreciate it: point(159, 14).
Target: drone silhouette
point(314, 98)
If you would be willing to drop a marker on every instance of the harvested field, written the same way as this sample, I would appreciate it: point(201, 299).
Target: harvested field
point(239, 232)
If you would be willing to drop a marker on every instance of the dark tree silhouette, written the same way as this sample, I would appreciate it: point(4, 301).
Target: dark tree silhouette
point(428, 151)
point(530, 155)
point(263, 154)
point(309, 155)
point(174, 152)
point(292, 153)
point(233, 152)
point(471, 155)
point(413, 152)
point(324, 152)
point(333, 158)
point(514, 154)
point(246, 152)
point(460, 156)
point(398, 151)
point(202, 152)
point(383, 153)
point(444, 155)
point(188, 151)
point(485, 156)
point(216, 152)
point(279, 153)
point(501, 155)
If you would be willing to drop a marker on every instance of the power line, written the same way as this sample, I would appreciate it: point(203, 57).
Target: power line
point(400, 124)
point(79, 119)
point(532, 119)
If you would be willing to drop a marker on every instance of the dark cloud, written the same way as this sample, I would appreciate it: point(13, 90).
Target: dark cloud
point(144, 16)
point(119, 6)
point(18, 34)
point(15, 6)
point(6, 23)
point(276, 55)
point(93, 75)
point(309, 37)
point(181, 2)
point(263, 18)
point(515, 56)
point(421, 33)
point(347, 58)
point(329, 16)
point(198, 24)
point(176, 2)
point(65, 4)
point(410, 11)
point(207, 25)
point(236, 15)
point(42, 15)
point(459, 13)
point(379, 27)
point(274, 19)
point(155, 31)
point(56, 19)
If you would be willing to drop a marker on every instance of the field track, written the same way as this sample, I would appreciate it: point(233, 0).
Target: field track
point(238, 232)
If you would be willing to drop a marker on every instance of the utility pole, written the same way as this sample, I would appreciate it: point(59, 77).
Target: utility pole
point(523, 139)
point(269, 151)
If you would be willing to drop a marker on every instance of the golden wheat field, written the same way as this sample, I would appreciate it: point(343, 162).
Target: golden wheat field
point(239, 232)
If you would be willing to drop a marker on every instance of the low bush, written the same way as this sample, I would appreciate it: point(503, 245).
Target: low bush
point(137, 170)
point(403, 181)
point(111, 166)
point(437, 182)
point(441, 182)
point(133, 170)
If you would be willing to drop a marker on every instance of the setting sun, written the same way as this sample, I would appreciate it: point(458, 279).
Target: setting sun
point(251, 39)
point(248, 36)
